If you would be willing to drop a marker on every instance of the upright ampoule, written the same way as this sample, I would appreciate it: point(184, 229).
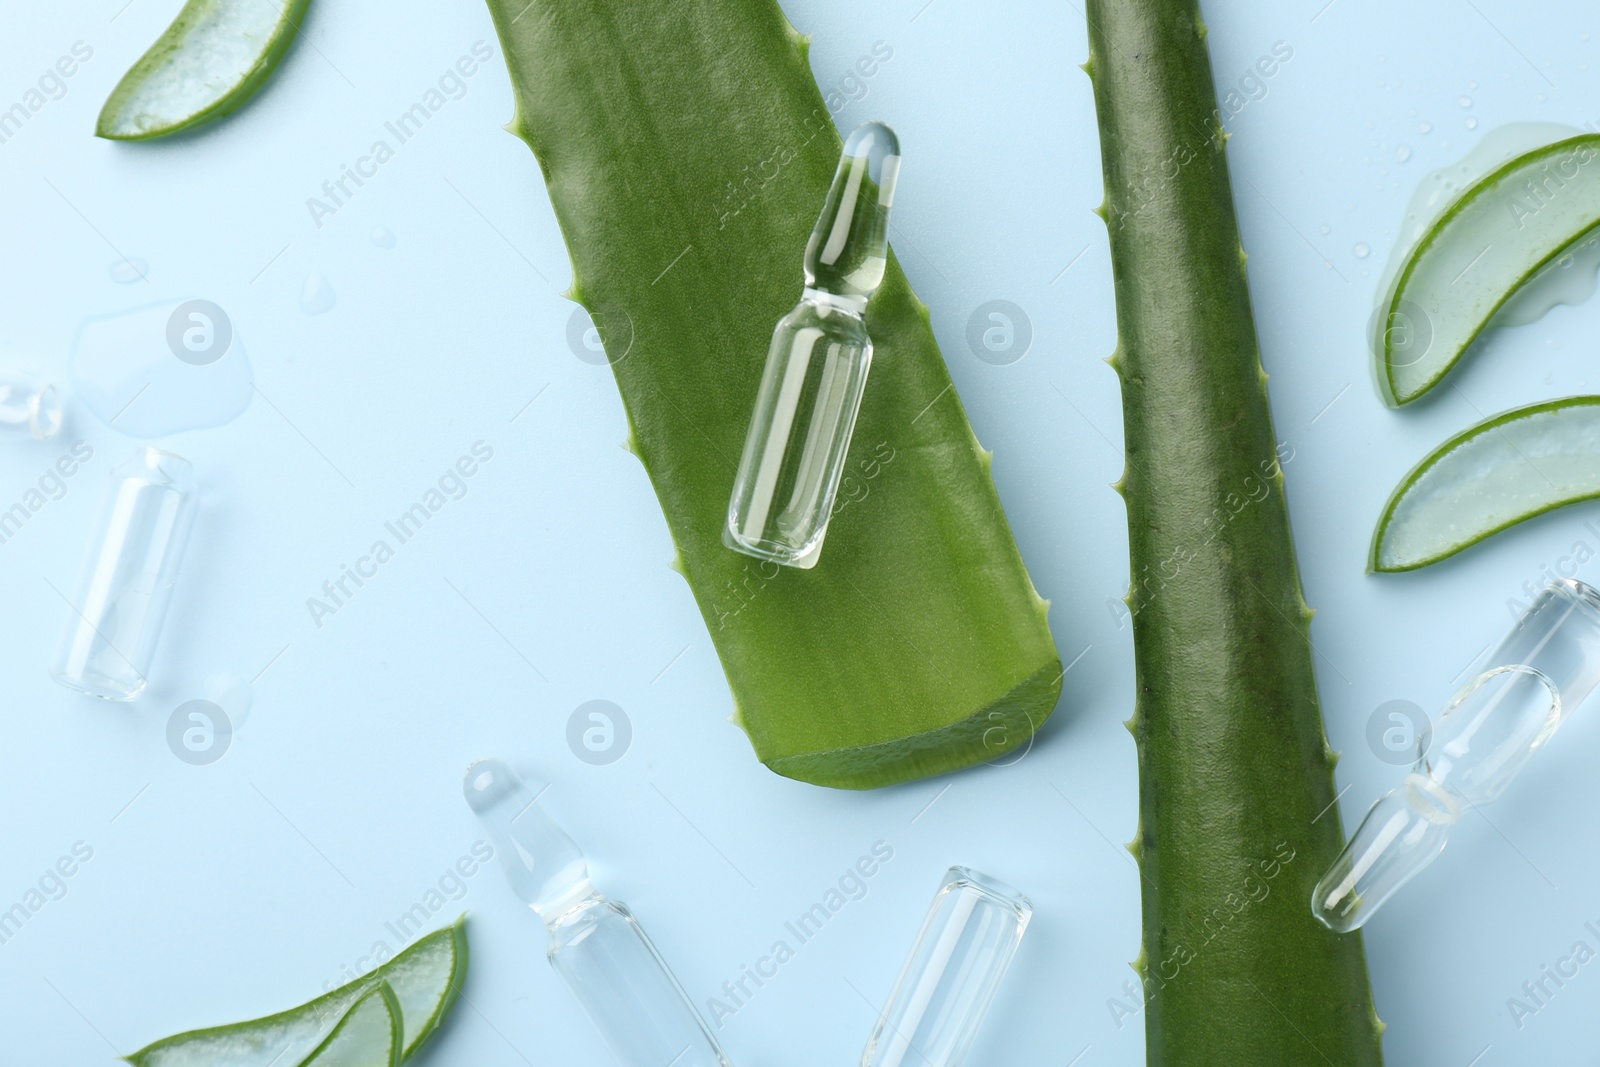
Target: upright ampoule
point(1487, 733)
point(816, 371)
point(596, 945)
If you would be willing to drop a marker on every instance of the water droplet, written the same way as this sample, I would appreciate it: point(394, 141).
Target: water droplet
point(131, 269)
point(1465, 101)
point(1565, 261)
point(1472, 85)
point(1403, 153)
point(1424, 127)
point(1363, 250)
point(232, 695)
point(382, 237)
point(317, 296)
point(1472, 124)
point(1324, 228)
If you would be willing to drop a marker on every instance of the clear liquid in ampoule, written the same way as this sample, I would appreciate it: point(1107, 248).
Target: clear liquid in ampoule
point(816, 370)
point(596, 945)
point(1546, 667)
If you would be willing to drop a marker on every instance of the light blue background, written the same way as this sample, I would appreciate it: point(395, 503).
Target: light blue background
point(217, 893)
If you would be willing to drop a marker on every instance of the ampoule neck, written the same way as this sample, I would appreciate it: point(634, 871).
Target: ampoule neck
point(829, 302)
point(574, 897)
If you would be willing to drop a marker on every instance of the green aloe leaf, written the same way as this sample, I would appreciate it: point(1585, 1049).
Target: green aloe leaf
point(1497, 236)
point(369, 1035)
point(424, 981)
point(1505, 470)
point(1237, 810)
point(213, 58)
point(687, 151)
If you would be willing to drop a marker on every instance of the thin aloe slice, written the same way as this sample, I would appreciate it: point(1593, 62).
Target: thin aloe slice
point(687, 149)
point(369, 1035)
point(424, 980)
point(1496, 474)
point(213, 58)
point(1496, 237)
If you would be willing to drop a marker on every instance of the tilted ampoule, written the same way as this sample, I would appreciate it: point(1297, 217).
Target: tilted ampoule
point(1542, 670)
point(816, 371)
point(595, 944)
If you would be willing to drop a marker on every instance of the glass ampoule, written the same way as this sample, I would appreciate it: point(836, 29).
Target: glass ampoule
point(816, 370)
point(1486, 734)
point(596, 944)
point(115, 618)
point(28, 408)
point(967, 941)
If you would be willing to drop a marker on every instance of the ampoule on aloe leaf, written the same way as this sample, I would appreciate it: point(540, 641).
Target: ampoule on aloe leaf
point(799, 436)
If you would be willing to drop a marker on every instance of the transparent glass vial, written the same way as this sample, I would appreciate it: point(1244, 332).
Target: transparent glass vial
point(1487, 733)
point(115, 618)
point(816, 370)
point(29, 408)
point(596, 944)
point(951, 976)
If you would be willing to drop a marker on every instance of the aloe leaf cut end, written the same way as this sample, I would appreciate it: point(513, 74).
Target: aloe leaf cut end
point(213, 58)
point(687, 151)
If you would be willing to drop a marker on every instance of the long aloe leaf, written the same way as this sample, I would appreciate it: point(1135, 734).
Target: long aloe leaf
point(687, 151)
point(1236, 799)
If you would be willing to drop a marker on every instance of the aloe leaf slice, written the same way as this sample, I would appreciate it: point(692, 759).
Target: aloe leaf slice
point(369, 1035)
point(213, 58)
point(1496, 237)
point(1503, 471)
point(424, 980)
point(687, 149)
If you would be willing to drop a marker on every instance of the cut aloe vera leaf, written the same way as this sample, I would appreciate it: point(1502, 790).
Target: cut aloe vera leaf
point(369, 1035)
point(213, 58)
point(1496, 237)
point(424, 979)
point(1502, 471)
point(687, 150)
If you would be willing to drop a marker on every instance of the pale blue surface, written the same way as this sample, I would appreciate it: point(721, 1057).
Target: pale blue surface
point(236, 889)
